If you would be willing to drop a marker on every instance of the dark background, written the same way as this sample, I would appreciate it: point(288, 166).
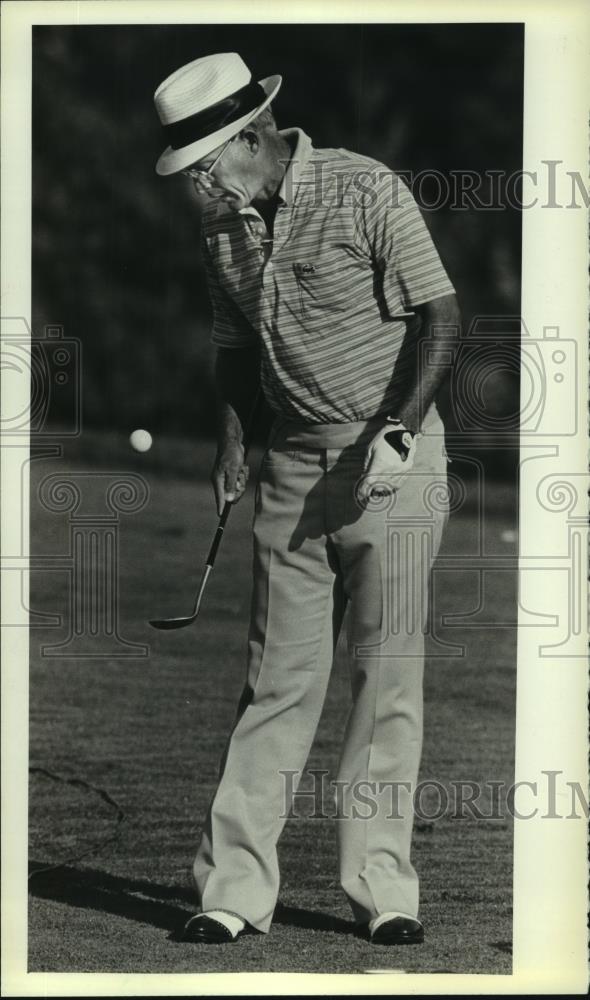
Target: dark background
point(115, 247)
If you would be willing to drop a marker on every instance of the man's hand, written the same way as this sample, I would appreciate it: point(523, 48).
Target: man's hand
point(390, 456)
point(229, 475)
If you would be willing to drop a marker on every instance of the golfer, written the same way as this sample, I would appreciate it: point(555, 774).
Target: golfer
point(328, 292)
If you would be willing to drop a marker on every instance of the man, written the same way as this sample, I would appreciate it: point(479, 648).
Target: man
point(326, 290)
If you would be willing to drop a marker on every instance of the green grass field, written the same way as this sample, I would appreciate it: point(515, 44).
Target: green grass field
point(149, 732)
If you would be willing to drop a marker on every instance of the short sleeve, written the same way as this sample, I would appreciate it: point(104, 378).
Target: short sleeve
point(230, 326)
point(401, 244)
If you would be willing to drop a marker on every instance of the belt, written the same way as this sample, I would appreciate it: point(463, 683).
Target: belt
point(298, 434)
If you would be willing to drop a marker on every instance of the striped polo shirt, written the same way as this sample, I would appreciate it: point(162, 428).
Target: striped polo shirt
point(330, 298)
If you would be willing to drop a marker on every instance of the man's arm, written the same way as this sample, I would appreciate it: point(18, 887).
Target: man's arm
point(441, 321)
point(390, 454)
point(415, 280)
point(237, 380)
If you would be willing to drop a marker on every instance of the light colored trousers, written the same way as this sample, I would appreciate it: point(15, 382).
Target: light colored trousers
point(316, 551)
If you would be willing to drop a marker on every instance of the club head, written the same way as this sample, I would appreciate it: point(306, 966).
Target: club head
point(171, 623)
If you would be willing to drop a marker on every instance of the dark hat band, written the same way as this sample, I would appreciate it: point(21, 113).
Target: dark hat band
point(217, 116)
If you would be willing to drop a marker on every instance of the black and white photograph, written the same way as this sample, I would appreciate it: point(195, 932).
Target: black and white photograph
point(294, 584)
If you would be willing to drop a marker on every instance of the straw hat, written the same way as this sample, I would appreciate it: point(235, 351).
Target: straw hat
point(205, 103)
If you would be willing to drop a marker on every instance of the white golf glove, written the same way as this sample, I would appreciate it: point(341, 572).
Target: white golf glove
point(390, 456)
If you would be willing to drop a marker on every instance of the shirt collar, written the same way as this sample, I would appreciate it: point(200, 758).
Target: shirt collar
point(301, 155)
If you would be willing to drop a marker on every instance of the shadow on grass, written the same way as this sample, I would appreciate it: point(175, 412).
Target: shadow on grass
point(149, 903)
point(135, 899)
point(293, 916)
point(505, 946)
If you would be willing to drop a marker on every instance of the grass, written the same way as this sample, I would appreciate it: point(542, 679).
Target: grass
point(150, 731)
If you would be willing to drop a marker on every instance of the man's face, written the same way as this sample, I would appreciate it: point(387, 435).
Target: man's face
point(230, 173)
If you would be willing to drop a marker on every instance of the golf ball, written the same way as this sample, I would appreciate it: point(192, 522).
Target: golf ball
point(141, 440)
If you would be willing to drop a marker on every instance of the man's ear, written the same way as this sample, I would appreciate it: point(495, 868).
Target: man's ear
point(249, 137)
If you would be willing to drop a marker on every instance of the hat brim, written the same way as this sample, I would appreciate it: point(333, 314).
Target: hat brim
point(174, 160)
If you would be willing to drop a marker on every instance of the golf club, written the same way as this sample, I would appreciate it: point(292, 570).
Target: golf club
point(182, 622)
point(170, 623)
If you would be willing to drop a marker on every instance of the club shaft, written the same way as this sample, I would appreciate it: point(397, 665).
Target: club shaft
point(219, 533)
point(172, 623)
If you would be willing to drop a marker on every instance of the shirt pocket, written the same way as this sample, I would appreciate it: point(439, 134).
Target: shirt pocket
point(331, 284)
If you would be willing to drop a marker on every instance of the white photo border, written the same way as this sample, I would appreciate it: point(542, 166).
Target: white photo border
point(550, 868)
